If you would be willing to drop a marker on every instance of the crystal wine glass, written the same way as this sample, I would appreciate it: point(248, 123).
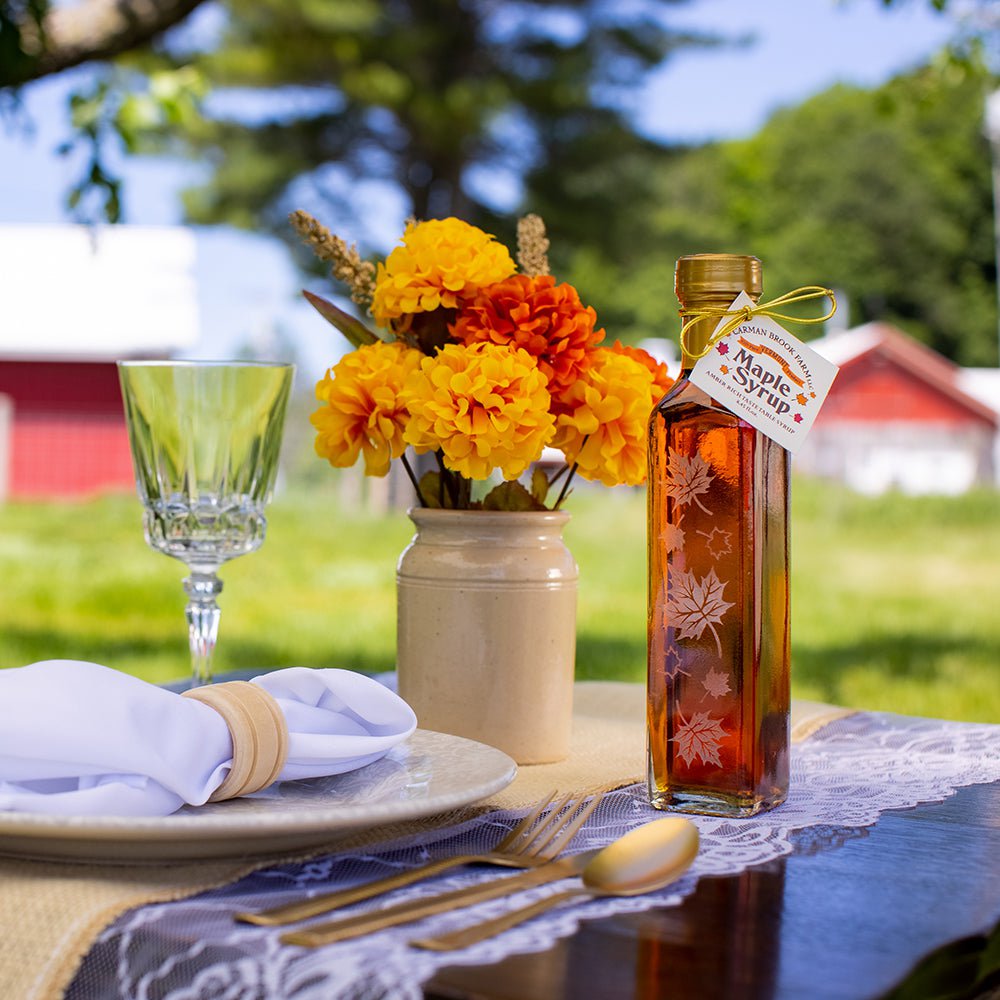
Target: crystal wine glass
point(205, 437)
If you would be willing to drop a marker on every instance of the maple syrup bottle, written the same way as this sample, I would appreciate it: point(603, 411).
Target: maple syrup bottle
point(718, 656)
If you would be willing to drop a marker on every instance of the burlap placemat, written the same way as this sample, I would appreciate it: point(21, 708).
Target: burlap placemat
point(51, 912)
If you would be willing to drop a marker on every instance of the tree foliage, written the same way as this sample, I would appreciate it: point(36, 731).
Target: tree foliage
point(884, 195)
point(40, 37)
point(423, 95)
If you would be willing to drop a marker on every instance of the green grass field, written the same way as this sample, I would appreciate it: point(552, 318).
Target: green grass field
point(894, 600)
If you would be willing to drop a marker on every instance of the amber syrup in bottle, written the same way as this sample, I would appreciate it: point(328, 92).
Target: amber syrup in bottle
point(718, 696)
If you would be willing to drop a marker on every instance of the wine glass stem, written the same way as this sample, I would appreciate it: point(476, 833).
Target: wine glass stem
point(202, 615)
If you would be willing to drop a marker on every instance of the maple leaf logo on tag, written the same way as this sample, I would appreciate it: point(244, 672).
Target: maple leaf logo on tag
point(715, 684)
point(700, 738)
point(687, 477)
point(694, 605)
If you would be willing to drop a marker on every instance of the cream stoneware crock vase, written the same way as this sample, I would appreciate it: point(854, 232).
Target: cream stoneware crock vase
point(486, 628)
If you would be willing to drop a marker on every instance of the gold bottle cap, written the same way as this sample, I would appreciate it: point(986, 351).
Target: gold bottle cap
point(717, 275)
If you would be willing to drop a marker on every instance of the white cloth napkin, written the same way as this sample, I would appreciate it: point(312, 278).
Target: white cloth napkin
point(77, 738)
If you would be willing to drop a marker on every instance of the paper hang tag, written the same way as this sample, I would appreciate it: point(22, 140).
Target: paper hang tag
point(767, 376)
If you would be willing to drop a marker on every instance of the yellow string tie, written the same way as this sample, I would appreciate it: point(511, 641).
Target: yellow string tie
point(737, 317)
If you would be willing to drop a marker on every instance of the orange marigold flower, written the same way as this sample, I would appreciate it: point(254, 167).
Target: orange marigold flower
point(603, 419)
point(661, 377)
point(362, 411)
point(534, 313)
point(440, 262)
point(483, 406)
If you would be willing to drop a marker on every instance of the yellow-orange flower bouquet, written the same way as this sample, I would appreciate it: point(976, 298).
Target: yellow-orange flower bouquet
point(480, 363)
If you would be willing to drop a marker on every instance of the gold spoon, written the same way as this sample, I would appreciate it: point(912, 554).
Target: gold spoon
point(648, 858)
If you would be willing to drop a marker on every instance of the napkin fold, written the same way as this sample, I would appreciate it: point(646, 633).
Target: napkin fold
point(77, 738)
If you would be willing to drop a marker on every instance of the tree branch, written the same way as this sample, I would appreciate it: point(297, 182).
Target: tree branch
point(89, 30)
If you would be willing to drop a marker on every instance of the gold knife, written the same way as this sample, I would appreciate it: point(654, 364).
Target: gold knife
point(402, 913)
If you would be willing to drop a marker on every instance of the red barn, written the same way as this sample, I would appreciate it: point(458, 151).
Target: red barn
point(73, 302)
point(67, 432)
point(899, 416)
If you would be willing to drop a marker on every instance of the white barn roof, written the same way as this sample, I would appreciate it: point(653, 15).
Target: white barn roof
point(109, 292)
point(983, 384)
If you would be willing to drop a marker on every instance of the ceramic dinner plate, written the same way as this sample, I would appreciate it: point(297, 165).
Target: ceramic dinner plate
point(428, 774)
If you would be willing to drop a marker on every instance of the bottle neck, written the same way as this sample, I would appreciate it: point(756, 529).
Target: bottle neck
point(695, 341)
point(699, 334)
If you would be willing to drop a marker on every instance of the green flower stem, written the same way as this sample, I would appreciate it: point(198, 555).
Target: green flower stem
point(569, 478)
point(558, 475)
point(413, 481)
point(565, 488)
point(442, 475)
point(447, 479)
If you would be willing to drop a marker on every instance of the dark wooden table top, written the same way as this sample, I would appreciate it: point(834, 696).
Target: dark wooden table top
point(847, 916)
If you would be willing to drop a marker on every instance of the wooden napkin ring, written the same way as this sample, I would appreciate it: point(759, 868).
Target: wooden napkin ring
point(258, 730)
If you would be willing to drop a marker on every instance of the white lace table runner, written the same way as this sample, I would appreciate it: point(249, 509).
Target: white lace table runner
point(843, 777)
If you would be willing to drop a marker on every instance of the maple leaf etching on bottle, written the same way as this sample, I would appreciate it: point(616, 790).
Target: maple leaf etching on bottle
point(672, 662)
point(718, 541)
point(700, 737)
point(694, 605)
point(687, 478)
point(672, 537)
point(715, 684)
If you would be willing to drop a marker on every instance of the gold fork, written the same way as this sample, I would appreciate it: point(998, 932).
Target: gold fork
point(529, 844)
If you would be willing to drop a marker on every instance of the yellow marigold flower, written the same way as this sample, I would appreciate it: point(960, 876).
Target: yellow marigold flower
point(546, 319)
point(483, 406)
point(661, 376)
point(362, 410)
point(603, 419)
point(440, 262)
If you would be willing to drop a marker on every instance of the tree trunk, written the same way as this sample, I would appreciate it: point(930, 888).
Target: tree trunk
point(91, 30)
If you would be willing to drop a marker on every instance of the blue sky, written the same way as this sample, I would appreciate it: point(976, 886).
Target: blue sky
point(246, 284)
point(801, 48)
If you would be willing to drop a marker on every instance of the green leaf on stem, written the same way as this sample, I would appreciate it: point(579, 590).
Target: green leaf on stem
point(539, 484)
point(353, 329)
point(431, 492)
point(511, 496)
